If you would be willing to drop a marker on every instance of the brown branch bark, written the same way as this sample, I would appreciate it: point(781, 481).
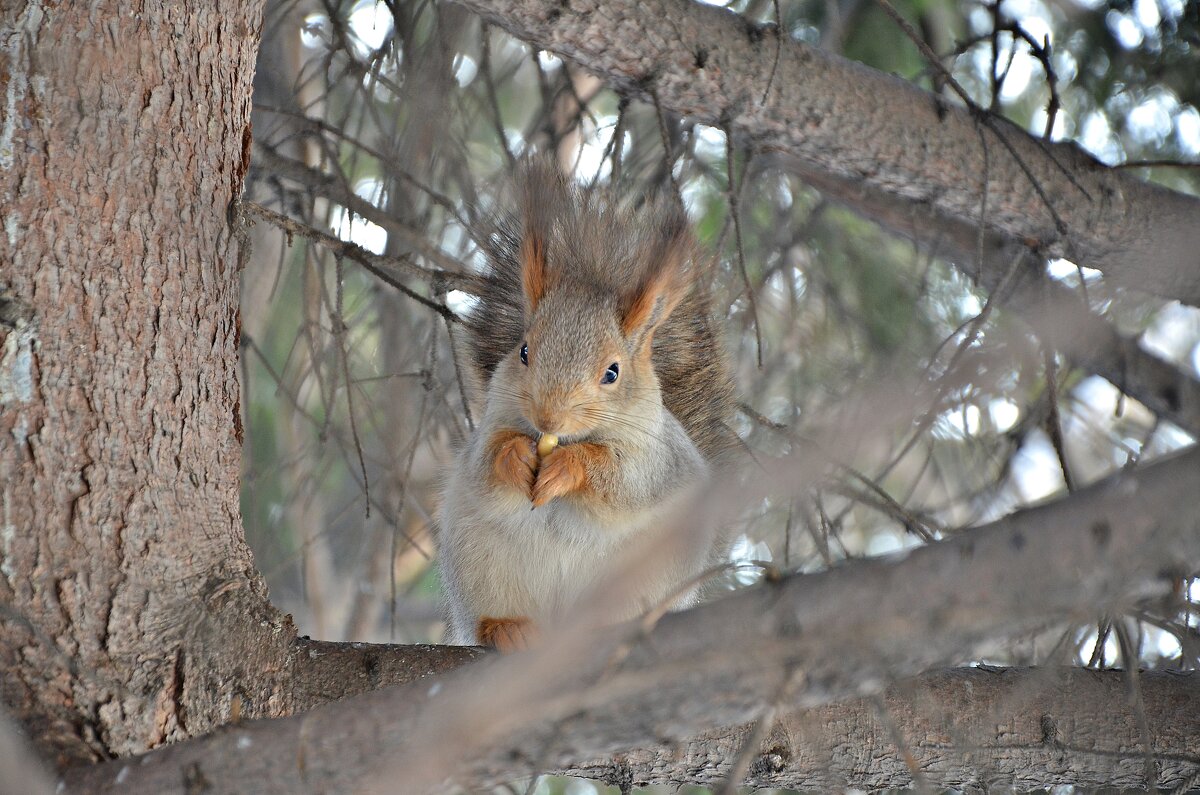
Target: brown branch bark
point(321, 671)
point(850, 122)
point(847, 631)
point(131, 614)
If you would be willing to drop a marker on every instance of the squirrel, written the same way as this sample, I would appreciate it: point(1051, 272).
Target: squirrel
point(607, 398)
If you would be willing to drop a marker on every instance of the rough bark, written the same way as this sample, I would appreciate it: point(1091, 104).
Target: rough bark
point(966, 729)
point(815, 639)
point(132, 614)
point(854, 123)
point(132, 607)
point(322, 672)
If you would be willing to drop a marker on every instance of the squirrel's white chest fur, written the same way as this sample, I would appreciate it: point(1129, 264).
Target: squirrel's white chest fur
point(500, 558)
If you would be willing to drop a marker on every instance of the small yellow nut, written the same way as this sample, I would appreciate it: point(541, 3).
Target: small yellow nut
point(546, 444)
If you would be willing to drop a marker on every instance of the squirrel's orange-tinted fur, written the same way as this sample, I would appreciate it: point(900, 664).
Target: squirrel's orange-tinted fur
point(533, 268)
point(626, 248)
point(570, 470)
point(515, 460)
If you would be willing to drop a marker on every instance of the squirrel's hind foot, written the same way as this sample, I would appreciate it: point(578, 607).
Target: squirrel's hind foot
point(506, 634)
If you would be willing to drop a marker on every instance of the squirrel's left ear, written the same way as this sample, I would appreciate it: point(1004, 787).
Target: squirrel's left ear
point(533, 268)
point(666, 283)
point(544, 192)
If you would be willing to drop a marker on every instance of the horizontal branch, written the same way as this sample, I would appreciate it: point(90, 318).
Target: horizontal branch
point(851, 122)
point(322, 671)
point(802, 640)
point(966, 728)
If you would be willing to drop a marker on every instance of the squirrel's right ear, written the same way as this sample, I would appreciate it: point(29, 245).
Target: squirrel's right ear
point(666, 283)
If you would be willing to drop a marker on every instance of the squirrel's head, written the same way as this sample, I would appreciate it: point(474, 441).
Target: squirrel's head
point(597, 282)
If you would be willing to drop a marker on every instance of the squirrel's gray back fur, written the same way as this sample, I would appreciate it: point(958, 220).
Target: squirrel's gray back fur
point(605, 247)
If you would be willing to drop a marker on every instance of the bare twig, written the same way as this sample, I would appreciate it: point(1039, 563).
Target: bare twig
point(732, 193)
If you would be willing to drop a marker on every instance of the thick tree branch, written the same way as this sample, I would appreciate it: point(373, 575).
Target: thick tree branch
point(964, 728)
point(823, 637)
point(1053, 310)
point(850, 122)
point(322, 671)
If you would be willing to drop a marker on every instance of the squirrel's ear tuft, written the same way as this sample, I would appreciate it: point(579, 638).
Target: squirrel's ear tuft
point(533, 268)
point(544, 195)
point(665, 284)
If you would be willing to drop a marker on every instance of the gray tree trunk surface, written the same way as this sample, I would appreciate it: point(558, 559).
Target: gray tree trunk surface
point(134, 609)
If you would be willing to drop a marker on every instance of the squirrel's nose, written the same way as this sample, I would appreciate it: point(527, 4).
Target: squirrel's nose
point(546, 421)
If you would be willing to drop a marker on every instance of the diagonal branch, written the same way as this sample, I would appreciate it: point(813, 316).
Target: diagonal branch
point(847, 121)
point(1054, 312)
point(850, 631)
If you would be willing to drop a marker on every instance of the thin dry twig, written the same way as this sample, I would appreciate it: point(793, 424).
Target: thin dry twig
point(668, 154)
point(1053, 419)
point(1129, 658)
point(337, 318)
point(779, 34)
point(920, 782)
point(379, 265)
point(986, 118)
point(732, 194)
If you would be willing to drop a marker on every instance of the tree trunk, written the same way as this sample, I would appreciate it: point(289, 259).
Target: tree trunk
point(131, 614)
point(132, 606)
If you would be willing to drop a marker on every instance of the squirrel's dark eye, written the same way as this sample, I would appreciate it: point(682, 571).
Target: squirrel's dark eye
point(525, 355)
point(610, 375)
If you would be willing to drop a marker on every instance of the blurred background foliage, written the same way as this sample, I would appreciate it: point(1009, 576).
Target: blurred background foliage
point(390, 124)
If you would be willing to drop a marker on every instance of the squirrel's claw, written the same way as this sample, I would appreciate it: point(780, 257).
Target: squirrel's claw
point(516, 464)
point(561, 473)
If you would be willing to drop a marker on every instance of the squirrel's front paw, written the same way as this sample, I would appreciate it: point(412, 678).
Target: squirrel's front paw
point(562, 472)
point(516, 463)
